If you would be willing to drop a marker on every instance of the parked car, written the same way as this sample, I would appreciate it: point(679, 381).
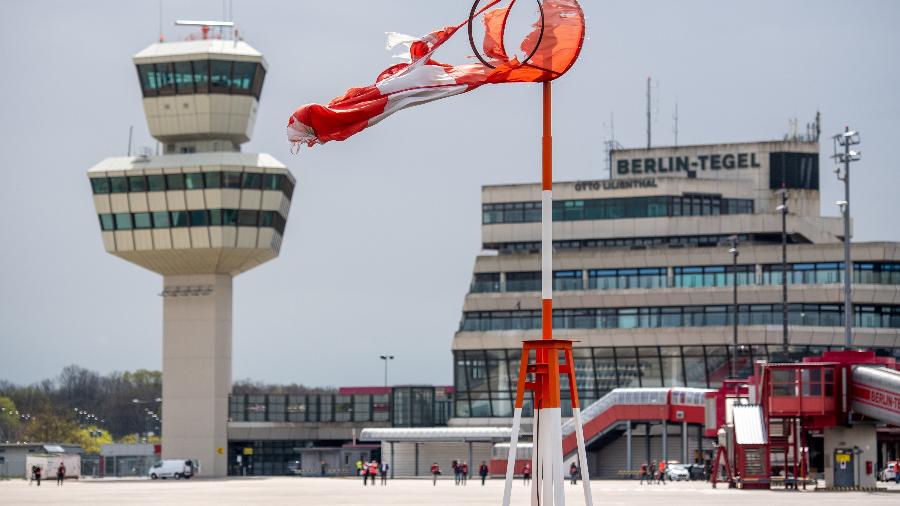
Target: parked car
point(174, 468)
point(677, 472)
point(294, 469)
point(887, 474)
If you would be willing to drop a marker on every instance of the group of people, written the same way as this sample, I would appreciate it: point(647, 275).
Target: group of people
point(653, 472)
point(371, 470)
point(460, 472)
point(37, 473)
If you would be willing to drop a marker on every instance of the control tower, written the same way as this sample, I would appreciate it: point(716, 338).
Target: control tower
point(198, 214)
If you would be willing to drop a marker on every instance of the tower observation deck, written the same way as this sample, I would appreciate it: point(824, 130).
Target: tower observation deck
point(199, 214)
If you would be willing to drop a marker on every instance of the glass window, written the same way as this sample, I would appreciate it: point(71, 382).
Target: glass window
point(166, 76)
point(148, 79)
point(242, 77)
point(212, 179)
point(123, 221)
point(258, 80)
point(484, 282)
point(179, 218)
point(231, 180)
point(161, 219)
point(142, 220)
point(248, 218)
point(156, 183)
point(118, 185)
point(220, 76)
point(199, 218)
point(272, 182)
point(252, 181)
point(193, 181)
point(175, 181)
point(137, 183)
point(100, 185)
point(184, 77)
point(106, 222)
point(266, 218)
point(229, 217)
point(201, 75)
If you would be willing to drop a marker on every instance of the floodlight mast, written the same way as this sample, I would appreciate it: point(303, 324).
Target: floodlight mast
point(843, 154)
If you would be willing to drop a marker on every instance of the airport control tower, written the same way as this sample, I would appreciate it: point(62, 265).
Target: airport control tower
point(199, 214)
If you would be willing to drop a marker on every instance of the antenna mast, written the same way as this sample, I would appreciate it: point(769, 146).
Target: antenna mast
point(648, 112)
point(675, 129)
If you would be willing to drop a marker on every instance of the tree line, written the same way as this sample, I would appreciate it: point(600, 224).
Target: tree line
point(84, 407)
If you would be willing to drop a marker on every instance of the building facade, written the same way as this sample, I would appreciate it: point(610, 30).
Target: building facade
point(644, 279)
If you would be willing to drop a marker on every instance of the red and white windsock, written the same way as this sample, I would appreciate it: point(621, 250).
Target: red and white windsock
point(555, 46)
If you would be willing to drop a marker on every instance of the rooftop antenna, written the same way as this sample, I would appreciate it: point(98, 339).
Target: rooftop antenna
point(648, 112)
point(130, 132)
point(161, 38)
point(610, 145)
point(675, 128)
point(206, 25)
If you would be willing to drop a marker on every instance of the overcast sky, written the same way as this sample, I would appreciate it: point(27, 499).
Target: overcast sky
point(384, 228)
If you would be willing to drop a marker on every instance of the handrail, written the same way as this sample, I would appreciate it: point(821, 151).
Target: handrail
point(637, 396)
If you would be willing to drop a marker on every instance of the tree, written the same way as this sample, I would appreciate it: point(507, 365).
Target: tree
point(91, 438)
point(9, 420)
point(49, 427)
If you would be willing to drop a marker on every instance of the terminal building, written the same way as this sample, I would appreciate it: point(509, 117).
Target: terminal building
point(644, 279)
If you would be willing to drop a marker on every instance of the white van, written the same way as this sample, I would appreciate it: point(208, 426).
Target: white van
point(174, 468)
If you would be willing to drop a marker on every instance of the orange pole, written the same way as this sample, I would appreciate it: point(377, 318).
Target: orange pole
point(547, 185)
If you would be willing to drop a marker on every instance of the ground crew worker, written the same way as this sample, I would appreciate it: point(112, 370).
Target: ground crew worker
point(435, 471)
point(372, 469)
point(384, 472)
point(361, 471)
point(662, 472)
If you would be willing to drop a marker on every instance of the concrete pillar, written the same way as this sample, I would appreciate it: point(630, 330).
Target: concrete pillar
point(417, 459)
point(861, 436)
point(628, 463)
point(196, 370)
point(392, 460)
point(665, 441)
point(684, 442)
point(469, 459)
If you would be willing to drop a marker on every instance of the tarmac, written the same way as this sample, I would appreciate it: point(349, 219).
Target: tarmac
point(350, 492)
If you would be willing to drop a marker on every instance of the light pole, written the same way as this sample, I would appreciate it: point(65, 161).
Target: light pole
point(783, 209)
point(843, 154)
point(386, 359)
point(148, 412)
point(734, 336)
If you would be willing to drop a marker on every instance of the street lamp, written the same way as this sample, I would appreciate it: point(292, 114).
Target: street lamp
point(783, 209)
point(843, 154)
point(734, 337)
point(386, 358)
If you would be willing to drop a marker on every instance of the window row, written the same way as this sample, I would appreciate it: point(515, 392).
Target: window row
point(631, 242)
point(201, 76)
point(196, 218)
point(310, 408)
point(617, 208)
point(688, 277)
point(817, 315)
point(193, 181)
point(485, 380)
